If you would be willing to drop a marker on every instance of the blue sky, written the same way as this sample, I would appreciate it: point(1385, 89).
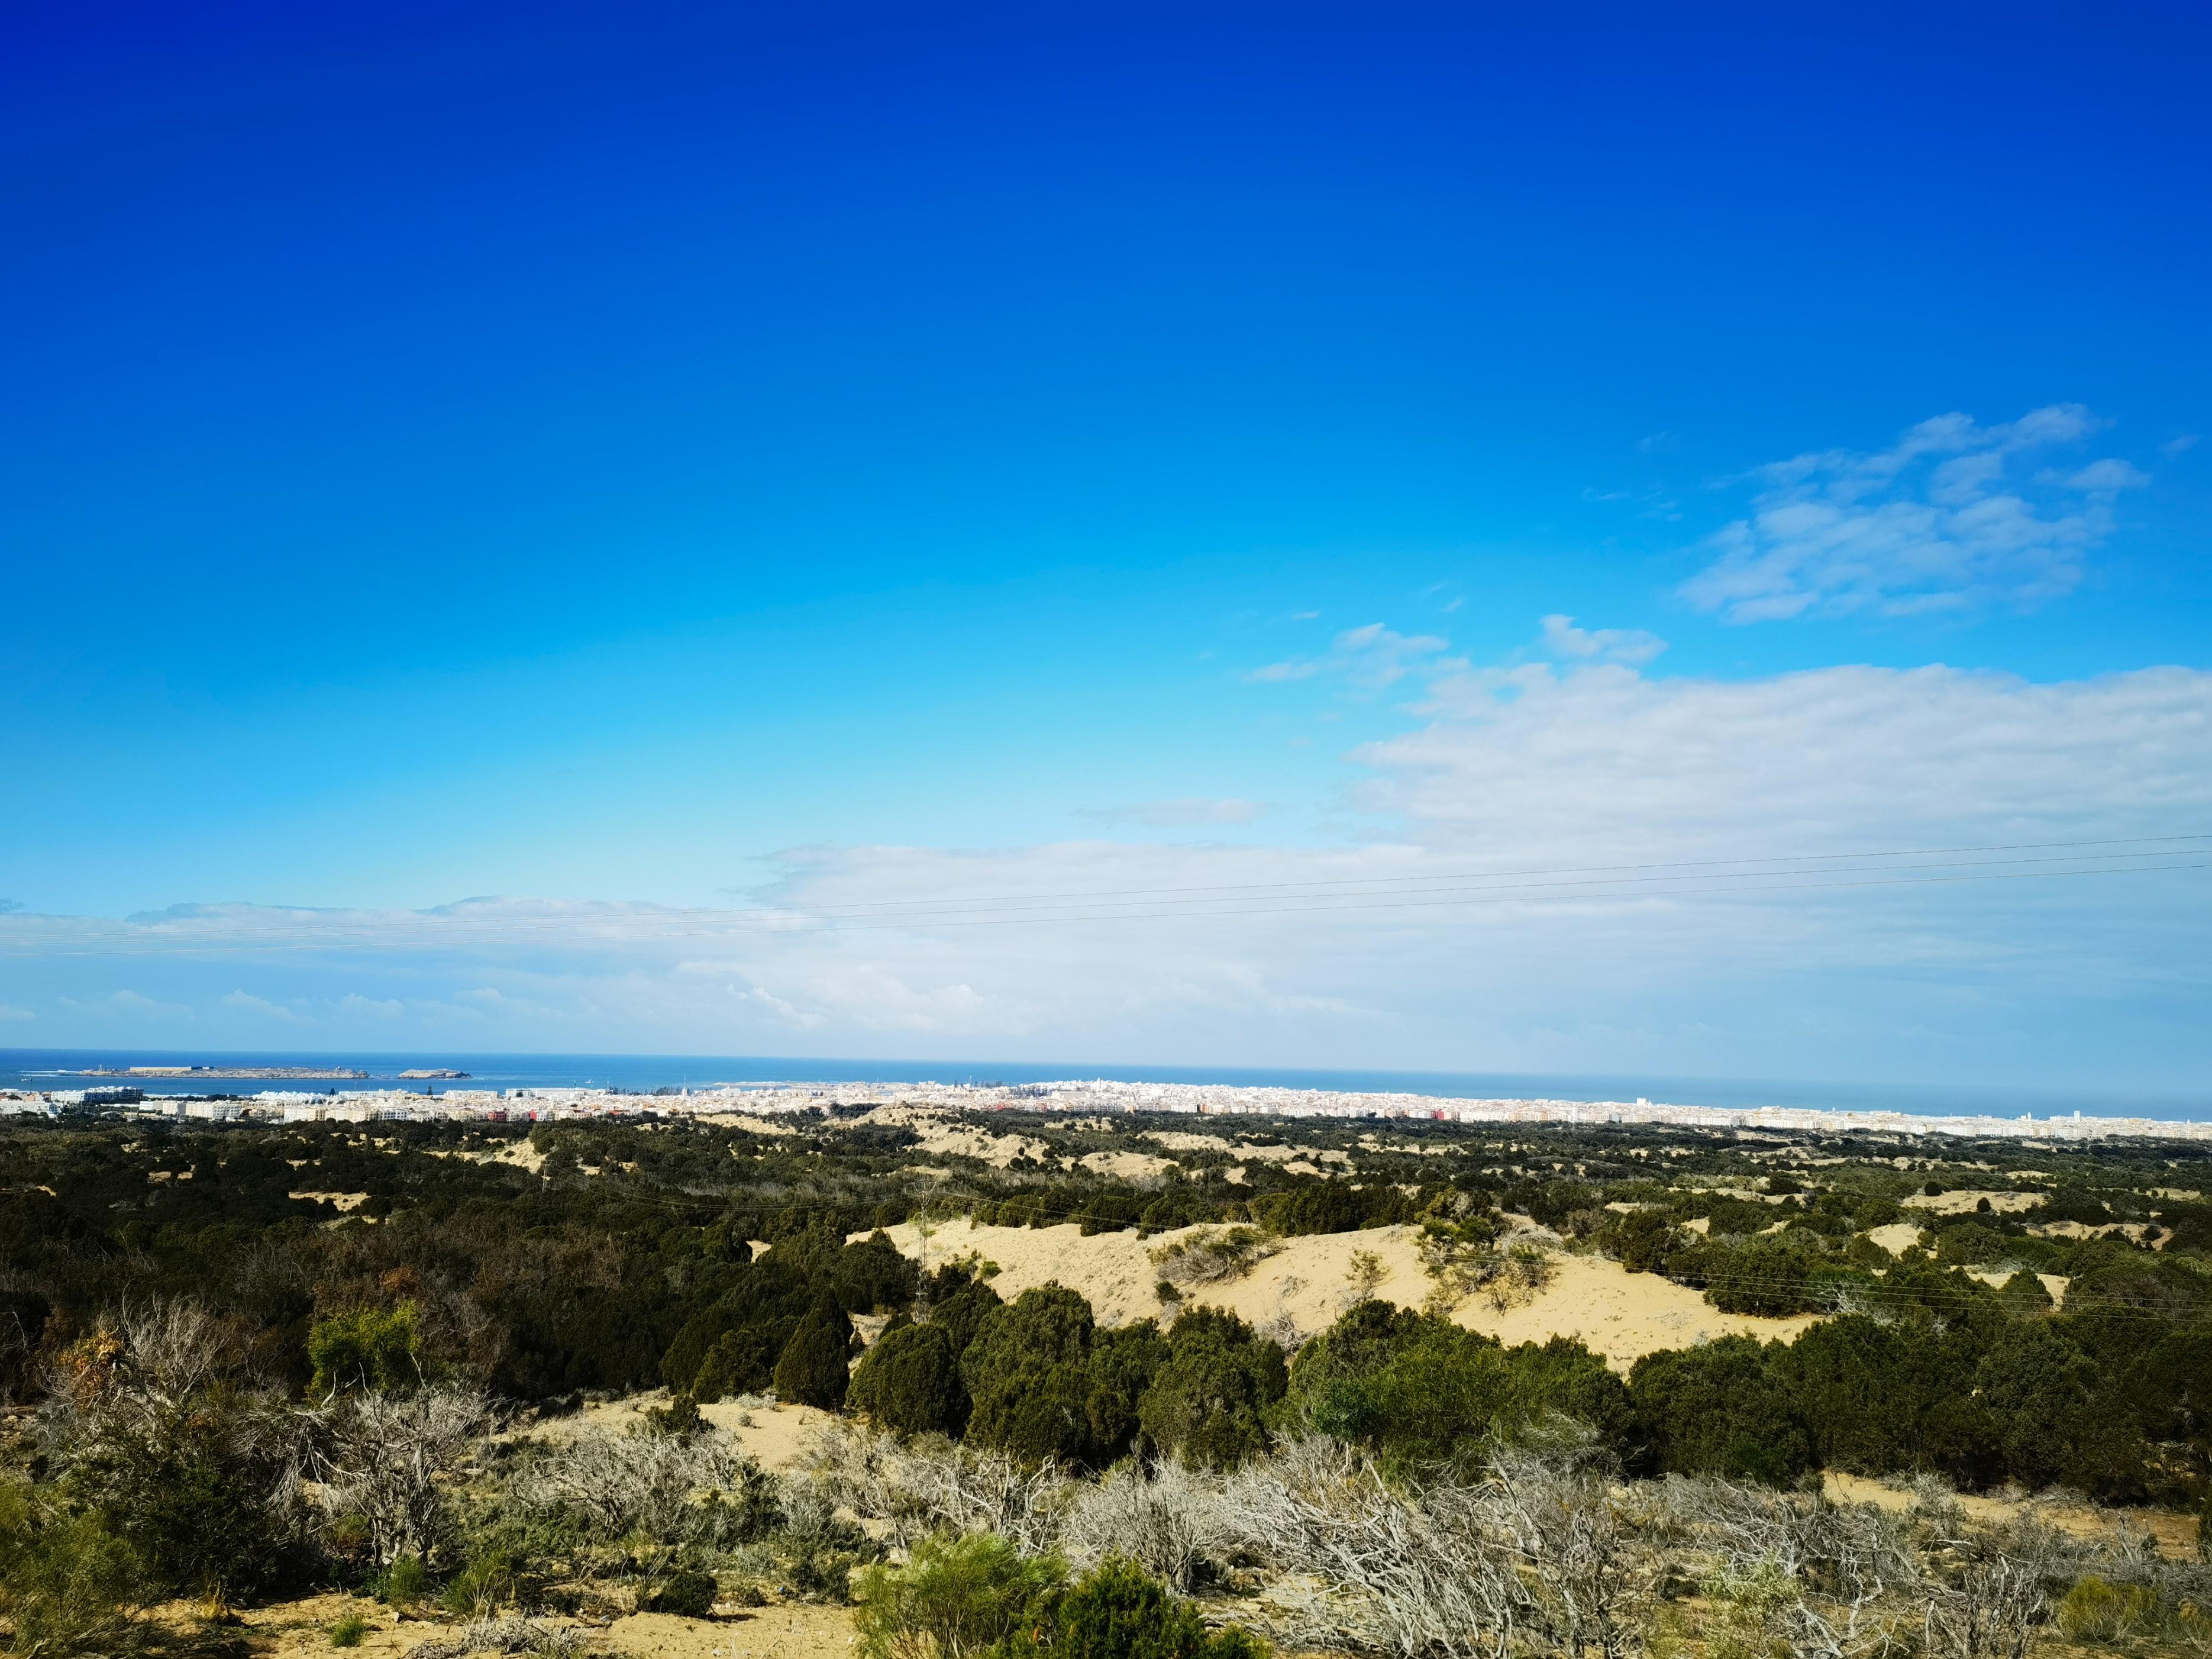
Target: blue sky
point(708, 459)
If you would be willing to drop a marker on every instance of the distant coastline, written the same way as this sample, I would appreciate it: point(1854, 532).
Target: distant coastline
point(245, 1072)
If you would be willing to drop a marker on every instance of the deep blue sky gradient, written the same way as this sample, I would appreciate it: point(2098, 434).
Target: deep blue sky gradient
point(583, 449)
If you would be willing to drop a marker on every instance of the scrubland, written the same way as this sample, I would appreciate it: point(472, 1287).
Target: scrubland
point(887, 1382)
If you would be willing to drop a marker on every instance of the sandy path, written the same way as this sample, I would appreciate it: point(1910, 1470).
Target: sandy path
point(1620, 1315)
point(795, 1630)
point(293, 1630)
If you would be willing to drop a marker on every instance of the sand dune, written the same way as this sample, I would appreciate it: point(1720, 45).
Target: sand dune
point(1620, 1315)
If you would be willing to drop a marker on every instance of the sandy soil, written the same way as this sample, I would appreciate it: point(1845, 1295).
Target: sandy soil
point(1965, 1203)
point(1129, 1166)
point(1620, 1315)
point(758, 1125)
point(792, 1631)
point(521, 1154)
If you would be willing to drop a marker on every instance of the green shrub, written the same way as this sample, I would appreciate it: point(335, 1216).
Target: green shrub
point(196, 1493)
point(957, 1597)
point(403, 1583)
point(349, 1630)
point(1118, 1612)
point(686, 1592)
point(2095, 1611)
point(1639, 1241)
point(66, 1583)
point(813, 1370)
point(492, 1579)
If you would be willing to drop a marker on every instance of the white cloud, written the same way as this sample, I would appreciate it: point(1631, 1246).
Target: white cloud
point(2180, 443)
point(1622, 645)
point(1938, 522)
point(1187, 811)
point(1382, 951)
point(9, 1010)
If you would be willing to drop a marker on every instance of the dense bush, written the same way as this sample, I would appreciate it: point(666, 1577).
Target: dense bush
point(378, 1348)
point(1208, 1403)
point(1049, 1385)
point(1416, 1389)
point(1716, 1409)
point(1117, 1612)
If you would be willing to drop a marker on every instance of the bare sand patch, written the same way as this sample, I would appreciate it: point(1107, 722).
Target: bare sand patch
point(776, 1437)
point(521, 1154)
point(293, 1630)
point(1620, 1315)
point(337, 1201)
point(1181, 1141)
point(1897, 1237)
point(751, 1125)
point(1967, 1203)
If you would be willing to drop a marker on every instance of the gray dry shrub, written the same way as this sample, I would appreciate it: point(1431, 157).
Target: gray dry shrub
point(663, 1489)
point(1536, 1554)
point(1206, 1255)
point(930, 1485)
point(1170, 1519)
point(385, 1461)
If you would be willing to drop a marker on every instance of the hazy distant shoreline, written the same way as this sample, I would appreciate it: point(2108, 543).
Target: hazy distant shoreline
point(45, 1068)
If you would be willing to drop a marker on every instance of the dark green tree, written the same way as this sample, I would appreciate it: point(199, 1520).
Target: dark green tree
point(813, 1370)
point(909, 1382)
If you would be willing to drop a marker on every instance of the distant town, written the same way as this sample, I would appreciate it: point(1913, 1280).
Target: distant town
point(1097, 1095)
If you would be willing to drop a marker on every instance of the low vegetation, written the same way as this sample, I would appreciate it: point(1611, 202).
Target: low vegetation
point(226, 1390)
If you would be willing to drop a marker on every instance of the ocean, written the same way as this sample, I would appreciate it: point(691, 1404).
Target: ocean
point(52, 1068)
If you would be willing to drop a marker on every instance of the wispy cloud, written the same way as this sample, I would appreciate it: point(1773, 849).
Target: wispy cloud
point(247, 1002)
point(1624, 645)
point(1942, 520)
point(1187, 811)
point(9, 1010)
point(1373, 658)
